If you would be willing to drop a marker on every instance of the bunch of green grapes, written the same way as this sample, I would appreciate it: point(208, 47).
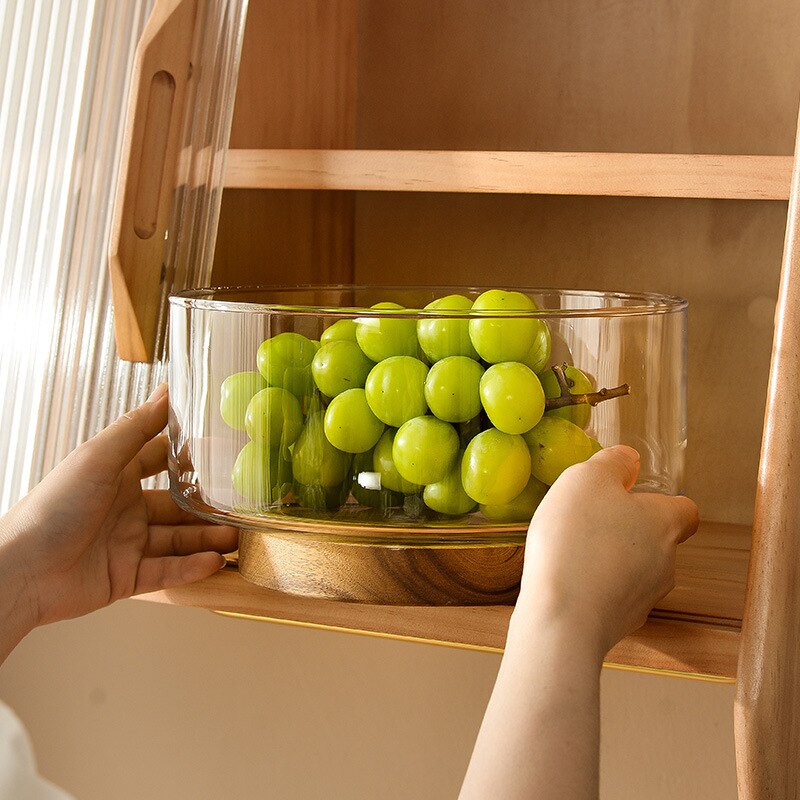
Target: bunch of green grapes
point(448, 410)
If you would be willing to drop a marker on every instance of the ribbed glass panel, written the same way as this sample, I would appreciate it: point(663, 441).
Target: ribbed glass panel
point(65, 70)
point(46, 57)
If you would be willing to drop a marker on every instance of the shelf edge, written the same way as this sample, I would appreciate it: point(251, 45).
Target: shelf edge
point(731, 177)
point(670, 646)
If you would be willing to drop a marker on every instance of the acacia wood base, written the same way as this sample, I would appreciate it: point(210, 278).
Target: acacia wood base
point(381, 575)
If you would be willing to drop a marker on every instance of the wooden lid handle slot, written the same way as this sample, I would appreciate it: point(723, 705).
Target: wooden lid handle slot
point(148, 170)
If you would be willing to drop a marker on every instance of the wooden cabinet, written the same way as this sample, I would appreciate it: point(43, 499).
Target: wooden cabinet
point(636, 146)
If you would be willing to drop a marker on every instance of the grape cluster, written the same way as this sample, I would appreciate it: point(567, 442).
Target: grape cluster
point(447, 413)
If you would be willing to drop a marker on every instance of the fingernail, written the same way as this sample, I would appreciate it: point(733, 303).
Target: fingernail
point(157, 393)
point(224, 562)
point(630, 452)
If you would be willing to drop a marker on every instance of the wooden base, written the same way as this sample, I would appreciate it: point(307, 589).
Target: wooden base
point(381, 575)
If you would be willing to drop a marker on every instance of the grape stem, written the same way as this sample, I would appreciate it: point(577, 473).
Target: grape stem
point(568, 399)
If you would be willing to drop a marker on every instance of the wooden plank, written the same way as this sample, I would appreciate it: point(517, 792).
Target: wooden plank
point(767, 711)
point(610, 174)
point(691, 644)
point(684, 648)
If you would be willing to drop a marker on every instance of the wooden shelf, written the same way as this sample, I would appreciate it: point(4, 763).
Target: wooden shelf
point(745, 177)
point(694, 630)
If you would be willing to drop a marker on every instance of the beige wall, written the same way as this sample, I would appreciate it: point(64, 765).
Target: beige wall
point(143, 701)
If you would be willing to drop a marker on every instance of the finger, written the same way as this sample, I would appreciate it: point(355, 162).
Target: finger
point(152, 458)
point(165, 573)
point(163, 510)
point(621, 462)
point(117, 445)
point(183, 540)
point(687, 516)
point(678, 515)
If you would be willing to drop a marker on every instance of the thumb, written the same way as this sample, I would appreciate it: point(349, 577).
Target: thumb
point(115, 446)
point(620, 462)
point(687, 516)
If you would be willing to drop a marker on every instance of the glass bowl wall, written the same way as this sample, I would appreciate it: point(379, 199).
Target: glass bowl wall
point(613, 338)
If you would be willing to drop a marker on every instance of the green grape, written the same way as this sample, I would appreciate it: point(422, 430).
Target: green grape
point(425, 449)
point(261, 474)
point(273, 417)
point(396, 389)
point(595, 445)
point(321, 498)
point(374, 498)
point(338, 366)
point(447, 496)
point(497, 339)
point(522, 507)
point(577, 414)
point(512, 397)
point(452, 388)
point(440, 338)
point(383, 337)
point(555, 444)
point(383, 463)
point(539, 355)
point(496, 467)
point(350, 425)
point(341, 330)
point(285, 361)
point(236, 393)
point(315, 461)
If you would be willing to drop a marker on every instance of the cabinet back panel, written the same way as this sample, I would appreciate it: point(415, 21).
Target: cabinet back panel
point(694, 76)
point(723, 256)
point(296, 88)
point(705, 76)
point(291, 237)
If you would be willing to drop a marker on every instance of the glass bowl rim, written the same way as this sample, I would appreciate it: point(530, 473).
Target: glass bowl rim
point(648, 303)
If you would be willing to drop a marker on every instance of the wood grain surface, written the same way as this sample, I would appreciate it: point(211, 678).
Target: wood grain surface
point(743, 177)
point(297, 88)
point(146, 183)
point(589, 75)
point(381, 575)
point(768, 693)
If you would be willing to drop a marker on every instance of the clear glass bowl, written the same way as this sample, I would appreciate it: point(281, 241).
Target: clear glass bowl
point(263, 457)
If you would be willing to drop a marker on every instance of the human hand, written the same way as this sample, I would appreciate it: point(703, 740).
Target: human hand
point(88, 534)
point(599, 556)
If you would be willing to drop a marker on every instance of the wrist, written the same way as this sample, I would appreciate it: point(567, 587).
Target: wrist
point(19, 605)
point(540, 616)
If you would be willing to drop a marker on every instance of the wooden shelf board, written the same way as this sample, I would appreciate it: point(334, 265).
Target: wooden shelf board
point(736, 177)
point(694, 630)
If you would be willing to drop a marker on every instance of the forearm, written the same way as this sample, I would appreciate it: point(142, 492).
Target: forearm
point(540, 735)
point(17, 604)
